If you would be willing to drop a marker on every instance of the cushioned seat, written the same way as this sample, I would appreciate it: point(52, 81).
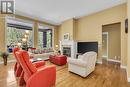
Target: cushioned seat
point(84, 65)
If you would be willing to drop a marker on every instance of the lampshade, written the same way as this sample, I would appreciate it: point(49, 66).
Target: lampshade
point(56, 46)
point(19, 44)
point(27, 31)
point(25, 36)
point(24, 39)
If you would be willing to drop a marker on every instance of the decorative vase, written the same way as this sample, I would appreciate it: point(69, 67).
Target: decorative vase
point(4, 55)
point(5, 60)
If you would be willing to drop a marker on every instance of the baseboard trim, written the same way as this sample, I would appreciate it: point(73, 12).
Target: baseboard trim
point(99, 62)
point(128, 79)
point(123, 67)
point(112, 60)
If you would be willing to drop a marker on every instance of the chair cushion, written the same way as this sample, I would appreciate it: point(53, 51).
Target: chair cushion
point(26, 57)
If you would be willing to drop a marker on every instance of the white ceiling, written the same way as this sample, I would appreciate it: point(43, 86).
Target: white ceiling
point(56, 11)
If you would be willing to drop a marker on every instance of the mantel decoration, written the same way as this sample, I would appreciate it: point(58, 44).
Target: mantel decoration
point(4, 55)
point(66, 36)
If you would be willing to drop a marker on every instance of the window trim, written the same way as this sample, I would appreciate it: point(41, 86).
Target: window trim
point(18, 26)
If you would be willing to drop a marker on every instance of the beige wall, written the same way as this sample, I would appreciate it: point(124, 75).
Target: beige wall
point(56, 38)
point(2, 33)
point(128, 60)
point(114, 40)
point(31, 19)
point(67, 26)
point(36, 35)
point(89, 28)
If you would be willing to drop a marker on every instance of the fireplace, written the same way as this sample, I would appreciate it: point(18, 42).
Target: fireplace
point(67, 51)
point(69, 48)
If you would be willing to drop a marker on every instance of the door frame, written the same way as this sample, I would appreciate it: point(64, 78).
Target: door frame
point(106, 33)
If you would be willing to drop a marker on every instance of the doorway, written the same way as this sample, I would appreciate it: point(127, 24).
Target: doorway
point(111, 42)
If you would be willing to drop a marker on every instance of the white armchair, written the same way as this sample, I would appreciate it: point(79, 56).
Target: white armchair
point(84, 65)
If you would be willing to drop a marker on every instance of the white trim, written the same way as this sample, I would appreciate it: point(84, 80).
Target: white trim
point(99, 61)
point(104, 56)
point(114, 60)
point(20, 21)
point(128, 79)
point(123, 67)
point(69, 43)
point(106, 33)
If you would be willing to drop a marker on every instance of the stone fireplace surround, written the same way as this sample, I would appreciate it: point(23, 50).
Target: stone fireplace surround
point(69, 43)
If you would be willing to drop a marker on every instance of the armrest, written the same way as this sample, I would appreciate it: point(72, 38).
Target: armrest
point(78, 62)
point(80, 56)
point(44, 77)
point(39, 63)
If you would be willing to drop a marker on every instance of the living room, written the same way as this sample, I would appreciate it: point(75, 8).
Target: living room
point(63, 47)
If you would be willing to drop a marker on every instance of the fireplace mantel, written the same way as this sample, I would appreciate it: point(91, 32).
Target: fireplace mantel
point(69, 43)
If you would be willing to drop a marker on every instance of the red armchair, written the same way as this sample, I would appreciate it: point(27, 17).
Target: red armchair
point(17, 67)
point(44, 76)
point(58, 59)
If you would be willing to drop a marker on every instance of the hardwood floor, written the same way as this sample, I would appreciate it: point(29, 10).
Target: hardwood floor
point(105, 75)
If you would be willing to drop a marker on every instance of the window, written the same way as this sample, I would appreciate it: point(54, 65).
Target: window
point(45, 38)
point(15, 34)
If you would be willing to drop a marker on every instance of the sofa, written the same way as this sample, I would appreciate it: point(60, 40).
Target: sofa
point(84, 65)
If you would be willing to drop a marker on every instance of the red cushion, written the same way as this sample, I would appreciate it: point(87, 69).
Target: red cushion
point(58, 59)
point(26, 58)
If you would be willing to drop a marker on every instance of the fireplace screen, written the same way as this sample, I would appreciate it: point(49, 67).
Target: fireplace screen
point(67, 51)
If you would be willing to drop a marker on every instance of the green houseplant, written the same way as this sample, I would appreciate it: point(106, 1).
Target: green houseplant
point(4, 55)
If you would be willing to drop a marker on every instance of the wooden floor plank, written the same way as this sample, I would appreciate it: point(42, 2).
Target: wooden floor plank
point(105, 75)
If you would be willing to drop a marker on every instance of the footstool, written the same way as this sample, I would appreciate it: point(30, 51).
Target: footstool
point(58, 59)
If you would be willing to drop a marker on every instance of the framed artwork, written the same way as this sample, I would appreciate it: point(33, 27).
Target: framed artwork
point(66, 36)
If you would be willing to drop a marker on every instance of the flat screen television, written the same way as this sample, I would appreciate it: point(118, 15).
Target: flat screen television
point(84, 47)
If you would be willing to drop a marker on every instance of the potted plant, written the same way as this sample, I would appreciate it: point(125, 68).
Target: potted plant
point(4, 55)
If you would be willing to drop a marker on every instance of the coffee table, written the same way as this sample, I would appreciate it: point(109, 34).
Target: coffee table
point(44, 56)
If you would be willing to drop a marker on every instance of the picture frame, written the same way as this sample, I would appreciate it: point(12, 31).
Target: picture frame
point(66, 36)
